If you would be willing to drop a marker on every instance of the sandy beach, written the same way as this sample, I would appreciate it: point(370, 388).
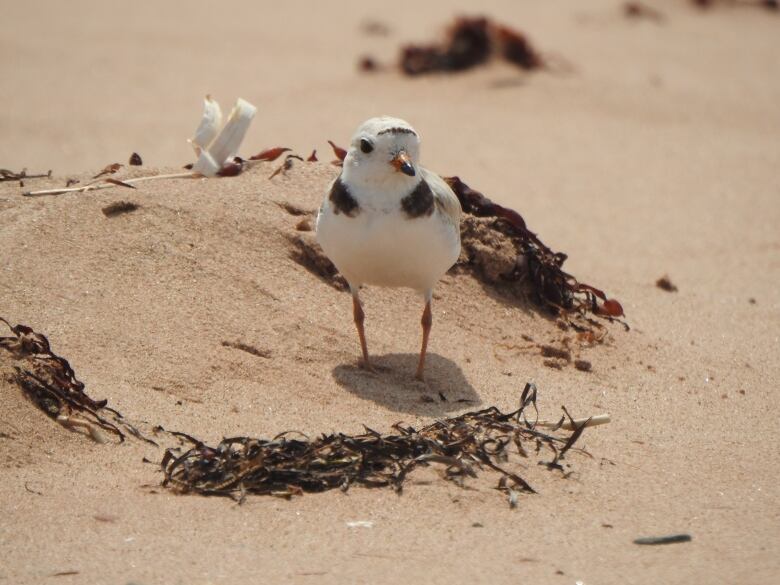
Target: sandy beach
point(649, 148)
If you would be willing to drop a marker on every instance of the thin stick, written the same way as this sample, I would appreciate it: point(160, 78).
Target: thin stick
point(599, 419)
point(103, 185)
point(6, 175)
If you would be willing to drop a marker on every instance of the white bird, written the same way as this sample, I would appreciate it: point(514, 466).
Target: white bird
point(387, 221)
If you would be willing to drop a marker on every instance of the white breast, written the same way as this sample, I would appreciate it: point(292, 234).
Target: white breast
point(384, 247)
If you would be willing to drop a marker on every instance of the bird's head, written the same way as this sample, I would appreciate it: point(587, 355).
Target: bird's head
point(383, 154)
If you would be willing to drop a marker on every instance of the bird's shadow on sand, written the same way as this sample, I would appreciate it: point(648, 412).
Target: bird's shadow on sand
point(393, 385)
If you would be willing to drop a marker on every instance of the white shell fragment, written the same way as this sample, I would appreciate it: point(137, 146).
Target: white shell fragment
point(220, 149)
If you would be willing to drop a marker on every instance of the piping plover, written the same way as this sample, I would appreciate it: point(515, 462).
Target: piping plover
point(387, 221)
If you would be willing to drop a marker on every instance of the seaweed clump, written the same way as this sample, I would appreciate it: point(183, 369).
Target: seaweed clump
point(50, 383)
point(469, 42)
point(497, 240)
point(286, 466)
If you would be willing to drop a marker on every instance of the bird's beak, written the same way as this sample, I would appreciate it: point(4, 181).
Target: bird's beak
point(403, 163)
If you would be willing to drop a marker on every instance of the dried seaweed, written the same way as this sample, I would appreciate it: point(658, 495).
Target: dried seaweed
point(515, 47)
point(50, 383)
point(290, 465)
point(109, 170)
point(551, 286)
point(340, 153)
point(469, 42)
point(270, 154)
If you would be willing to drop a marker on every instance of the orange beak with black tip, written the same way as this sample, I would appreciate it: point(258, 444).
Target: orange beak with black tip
point(403, 163)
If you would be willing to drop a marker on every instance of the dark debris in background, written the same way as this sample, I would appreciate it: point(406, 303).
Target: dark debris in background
point(468, 42)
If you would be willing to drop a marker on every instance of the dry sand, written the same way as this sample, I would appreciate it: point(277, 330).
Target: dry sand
point(658, 154)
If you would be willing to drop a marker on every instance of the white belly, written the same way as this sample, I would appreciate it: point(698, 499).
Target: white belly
point(387, 248)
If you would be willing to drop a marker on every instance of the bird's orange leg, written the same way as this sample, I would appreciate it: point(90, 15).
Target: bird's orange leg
point(360, 317)
point(427, 321)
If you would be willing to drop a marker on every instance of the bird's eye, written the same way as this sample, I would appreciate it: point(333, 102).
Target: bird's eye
point(366, 146)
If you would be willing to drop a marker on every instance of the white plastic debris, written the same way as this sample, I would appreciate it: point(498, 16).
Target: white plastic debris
point(215, 146)
point(360, 524)
point(210, 124)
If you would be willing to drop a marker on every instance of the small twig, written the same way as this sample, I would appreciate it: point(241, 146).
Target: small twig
point(599, 419)
point(109, 185)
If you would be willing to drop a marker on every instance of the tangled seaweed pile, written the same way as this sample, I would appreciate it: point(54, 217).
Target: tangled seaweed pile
point(50, 383)
point(528, 258)
point(286, 466)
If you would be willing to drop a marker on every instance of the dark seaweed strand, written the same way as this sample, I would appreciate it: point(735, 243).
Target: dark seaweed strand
point(51, 383)
point(419, 202)
point(342, 199)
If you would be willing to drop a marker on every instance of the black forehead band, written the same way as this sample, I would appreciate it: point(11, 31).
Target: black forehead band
point(398, 131)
